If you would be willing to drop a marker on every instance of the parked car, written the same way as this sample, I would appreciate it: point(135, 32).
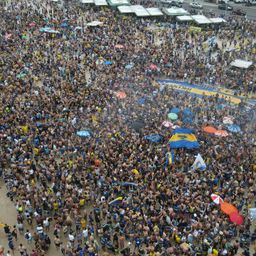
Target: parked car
point(196, 5)
point(225, 7)
point(238, 1)
point(239, 12)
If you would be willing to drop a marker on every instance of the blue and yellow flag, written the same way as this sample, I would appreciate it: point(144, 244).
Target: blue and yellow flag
point(116, 201)
point(183, 138)
point(169, 158)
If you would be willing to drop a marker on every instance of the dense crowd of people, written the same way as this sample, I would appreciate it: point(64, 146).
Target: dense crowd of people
point(63, 185)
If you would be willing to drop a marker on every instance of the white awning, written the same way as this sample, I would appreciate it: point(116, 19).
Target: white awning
point(174, 11)
point(154, 11)
point(100, 2)
point(241, 63)
point(184, 18)
point(217, 20)
point(201, 19)
point(118, 2)
point(140, 11)
point(125, 9)
point(87, 1)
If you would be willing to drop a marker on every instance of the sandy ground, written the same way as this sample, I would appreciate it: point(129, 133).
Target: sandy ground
point(8, 215)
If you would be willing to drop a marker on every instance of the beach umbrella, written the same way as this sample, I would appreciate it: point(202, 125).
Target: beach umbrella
point(129, 66)
point(175, 110)
point(228, 120)
point(221, 133)
point(119, 46)
point(234, 128)
point(154, 137)
point(141, 101)
point(167, 124)
point(187, 112)
point(83, 133)
point(216, 199)
point(228, 208)
point(172, 116)
point(236, 218)
point(153, 67)
point(209, 129)
point(121, 95)
point(32, 24)
point(108, 62)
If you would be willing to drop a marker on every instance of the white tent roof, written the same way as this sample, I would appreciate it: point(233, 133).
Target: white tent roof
point(201, 19)
point(184, 18)
point(87, 1)
point(100, 2)
point(140, 11)
point(119, 2)
point(125, 9)
point(174, 11)
point(154, 11)
point(241, 63)
point(217, 20)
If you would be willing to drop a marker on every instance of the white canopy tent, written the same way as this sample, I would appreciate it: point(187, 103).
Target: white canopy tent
point(125, 9)
point(238, 63)
point(154, 11)
point(217, 20)
point(100, 2)
point(118, 2)
point(201, 19)
point(174, 11)
point(140, 11)
point(87, 1)
point(184, 18)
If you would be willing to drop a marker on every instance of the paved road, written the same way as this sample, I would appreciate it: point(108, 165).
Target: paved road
point(250, 10)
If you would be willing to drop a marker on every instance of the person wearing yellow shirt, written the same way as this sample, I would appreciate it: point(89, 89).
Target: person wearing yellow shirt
point(82, 202)
point(55, 206)
point(83, 223)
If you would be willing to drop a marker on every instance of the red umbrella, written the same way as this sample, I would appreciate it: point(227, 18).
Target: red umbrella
point(153, 67)
point(121, 95)
point(236, 218)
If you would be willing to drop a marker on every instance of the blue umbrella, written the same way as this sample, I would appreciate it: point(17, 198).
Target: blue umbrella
point(83, 133)
point(175, 110)
point(234, 128)
point(108, 62)
point(129, 66)
point(141, 101)
point(187, 120)
point(154, 137)
point(64, 25)
point(187, 112)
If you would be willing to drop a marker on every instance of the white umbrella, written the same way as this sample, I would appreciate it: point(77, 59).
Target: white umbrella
point(216, 199)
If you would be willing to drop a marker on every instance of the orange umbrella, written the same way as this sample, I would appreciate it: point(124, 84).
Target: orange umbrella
point(121, 95)
point(236, 218)
point(228, 208)
point(221, 133)
point(209, 129)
